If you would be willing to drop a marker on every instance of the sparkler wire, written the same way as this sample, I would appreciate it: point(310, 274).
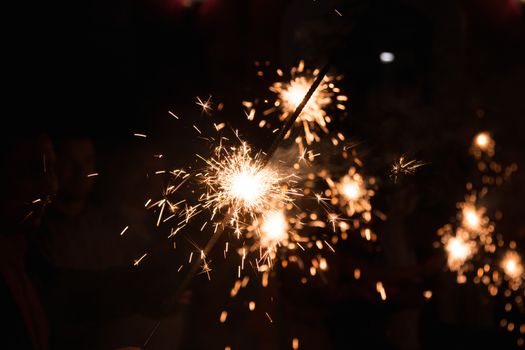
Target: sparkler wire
point(196, 266)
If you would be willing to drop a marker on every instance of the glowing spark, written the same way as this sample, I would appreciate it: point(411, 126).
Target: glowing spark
point(264, 281)
point(140, 135)
point(402, 166)
point(219, 127)
point(92, 175)
point(511, 265)
point(196, 128)
point(381, 290)
point(124, 230)
point(323, 265)
point(333, 218)
point(291, 95)
point(137, 262)
point(205, 105)
point(329, 246)
point(295, 343)
point(339, 13)
point(173, 114)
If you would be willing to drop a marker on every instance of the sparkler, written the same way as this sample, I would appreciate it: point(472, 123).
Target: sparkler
point(315, 115)
point(346, 199)
point(351, 193)
point(474, 231)
point(474, 221)
point(459, 250)
point(242, 183)
point(219, 229)
point(271, 230)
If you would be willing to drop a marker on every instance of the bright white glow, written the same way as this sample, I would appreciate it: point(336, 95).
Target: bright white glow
point(295, 93)
point(247, 186)
point(274, 228)
point(483, 143)
point(459, 251)
point(471, 218)
point(351, 190)
point(511, 264)
point(482, 140)
point(386, 57)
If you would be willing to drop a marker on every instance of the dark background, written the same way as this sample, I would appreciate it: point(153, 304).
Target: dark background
point(113, 68)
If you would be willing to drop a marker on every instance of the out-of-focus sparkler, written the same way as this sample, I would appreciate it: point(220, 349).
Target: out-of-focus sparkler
point(512, 266)
point(472, 232)
point(474, 221)
point(459, 250)
point(352, 193)
point(483, 143)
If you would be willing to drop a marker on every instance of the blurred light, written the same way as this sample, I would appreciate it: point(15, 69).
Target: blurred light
point(351, 190)
point(427, 294)
point(482, 140)
point(386, 57)
point(274, 229)
point(483, 143)
point(471, 218)
point(511, 264)
point(381, 290)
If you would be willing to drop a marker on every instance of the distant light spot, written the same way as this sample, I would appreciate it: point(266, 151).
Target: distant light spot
point(386, 57)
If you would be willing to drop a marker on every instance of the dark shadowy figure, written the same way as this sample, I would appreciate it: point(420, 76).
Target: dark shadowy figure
point(82, 240)
point(28, 183)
